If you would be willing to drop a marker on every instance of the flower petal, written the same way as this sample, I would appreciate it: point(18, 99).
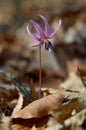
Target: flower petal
point(38, 29)
point(47, 26)
point(39, 44)
point(32, 35)
point(52, 35)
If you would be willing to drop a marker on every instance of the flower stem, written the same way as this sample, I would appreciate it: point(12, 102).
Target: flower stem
point(40, 73)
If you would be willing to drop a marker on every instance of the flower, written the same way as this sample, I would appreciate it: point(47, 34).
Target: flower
point(43, 36)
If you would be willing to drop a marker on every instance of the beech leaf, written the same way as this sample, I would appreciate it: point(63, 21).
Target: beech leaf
point(41, 107)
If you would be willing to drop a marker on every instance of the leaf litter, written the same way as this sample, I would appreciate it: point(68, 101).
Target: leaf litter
point(58, 104)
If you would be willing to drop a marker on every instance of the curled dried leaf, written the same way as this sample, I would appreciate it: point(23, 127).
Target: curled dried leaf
point(41, 107)
point(19, 104)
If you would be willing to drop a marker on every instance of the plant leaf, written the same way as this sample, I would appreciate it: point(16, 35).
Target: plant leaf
point(21, 88)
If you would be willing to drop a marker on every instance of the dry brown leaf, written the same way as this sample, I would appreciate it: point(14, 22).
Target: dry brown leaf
point(76, 120)
point(82, 72)
point(19, 104)
point(68, 110)
point(74, 83)
point(54, 127)
point(5, 125)
point(38, 122)
point(17, 127)
point(41, 107)
point(21, 127)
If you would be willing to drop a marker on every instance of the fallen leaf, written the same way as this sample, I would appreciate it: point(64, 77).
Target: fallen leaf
point(82, 74)
point(54, 127)
point(5, 122)
point(19, 104)
point(41, 107)
point(21, 127)
point(78, 119)
point(38, 122)
point(17, 127)
point(74, 83)
point(68, 110)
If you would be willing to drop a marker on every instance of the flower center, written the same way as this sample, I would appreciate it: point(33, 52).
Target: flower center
point(48, 45)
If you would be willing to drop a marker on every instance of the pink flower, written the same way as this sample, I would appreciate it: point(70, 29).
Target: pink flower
point(43, 36)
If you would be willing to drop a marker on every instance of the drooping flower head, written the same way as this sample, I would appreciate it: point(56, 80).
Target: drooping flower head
point(43, 35)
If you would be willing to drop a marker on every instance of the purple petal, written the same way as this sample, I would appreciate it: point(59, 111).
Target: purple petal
point(32, 35)
point(52, 35)
point(38, 29)
point(39, 44)
point(47, 26)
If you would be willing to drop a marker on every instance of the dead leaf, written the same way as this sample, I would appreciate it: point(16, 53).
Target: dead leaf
point(41, 107)
point(77, 119)
point(38, 122)
point(54, 127)
point(17, 127)
point(67, 110)
point(5, 125)
point(74, 83)
point(21, 127)
point(19, 104)
point(82, 74)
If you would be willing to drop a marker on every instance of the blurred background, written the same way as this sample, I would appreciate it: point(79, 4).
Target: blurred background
point(69, 44)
